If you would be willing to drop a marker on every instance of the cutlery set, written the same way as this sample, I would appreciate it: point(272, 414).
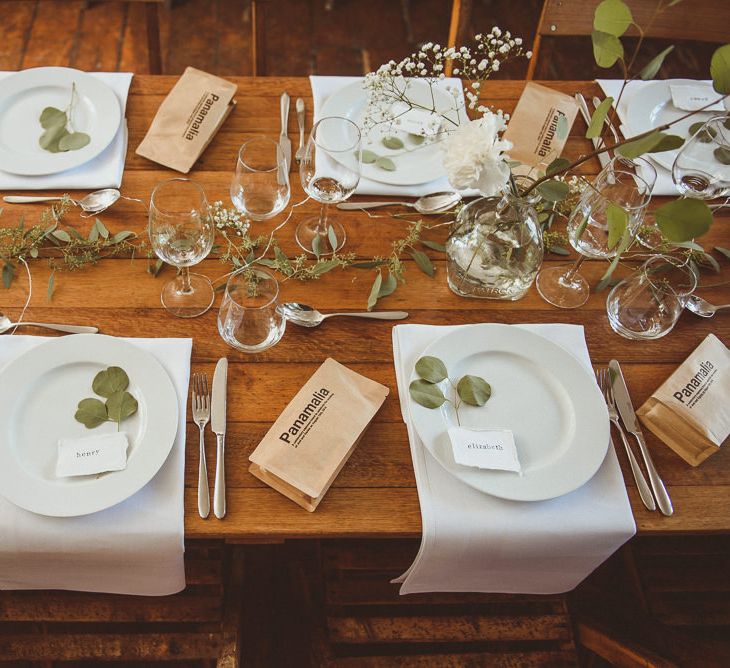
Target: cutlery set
point(618, 401)
point(206, 409)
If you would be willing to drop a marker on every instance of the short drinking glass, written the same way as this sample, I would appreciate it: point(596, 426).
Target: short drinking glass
point(260, 186)
point(648, 303)
point(181, 233)
point(249, 318)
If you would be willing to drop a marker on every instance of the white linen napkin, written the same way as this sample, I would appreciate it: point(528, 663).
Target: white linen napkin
point(474, 542)
point(104, 171)
point(323, 87)
point(664, 184)
point(135, 547)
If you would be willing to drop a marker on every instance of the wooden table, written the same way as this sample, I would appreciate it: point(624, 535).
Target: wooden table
point(375, 494)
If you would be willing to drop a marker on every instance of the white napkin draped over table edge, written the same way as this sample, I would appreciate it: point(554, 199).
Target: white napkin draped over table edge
point(612, 87)
point(324, 86)
point(103, 171)
point(135, 547)
point(475, 542)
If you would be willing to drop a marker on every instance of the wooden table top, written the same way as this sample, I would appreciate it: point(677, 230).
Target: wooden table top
point(375, 494)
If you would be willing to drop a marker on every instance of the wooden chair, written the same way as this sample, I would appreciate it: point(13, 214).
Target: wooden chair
point(700, 20)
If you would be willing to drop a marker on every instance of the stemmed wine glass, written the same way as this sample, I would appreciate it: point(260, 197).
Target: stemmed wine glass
point(181, 232)
point(622, 183)
point(329, 171)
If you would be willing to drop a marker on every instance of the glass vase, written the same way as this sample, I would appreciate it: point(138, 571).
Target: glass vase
point(495, 249)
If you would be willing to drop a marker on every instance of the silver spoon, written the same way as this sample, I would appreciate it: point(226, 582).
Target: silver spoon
point(5, 325)
point(92, 204)
point(306, 316)
point(434, 203)
point(703, 308)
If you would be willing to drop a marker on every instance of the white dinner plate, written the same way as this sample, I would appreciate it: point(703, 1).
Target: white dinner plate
point(414, 164)
point(539, 391)
point(39, 393)
point(652, 107)
point(24, 95)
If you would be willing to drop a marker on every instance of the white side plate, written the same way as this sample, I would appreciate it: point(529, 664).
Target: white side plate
point(24, 95)
point(540, 392)
point(39, 392)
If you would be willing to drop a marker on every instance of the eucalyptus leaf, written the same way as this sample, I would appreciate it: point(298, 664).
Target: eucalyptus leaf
point(431, 369)
point(618, 220)
point(557, 165)
point(651, 69)
point(103, 231)
point(388, 286)
point(51, 137)
point(368, 156)
point(607, 48)
point(323, 267)
point(51, 285)
point(393, 143)
point(612, 17)
point(121, 236)
point(121, 405)
point(474, 390)
point(370, 264)
point(599, 118)
point(332, 238)
point(110, 381)
point(426, 394)
point(93, 233)
point(385, 163)
point(62, 235)
point(91, 413)
point(553, 191)
point(52, 117)
point(722, 155)
point(34, 252)
point(8, 274)
point(73, 141)
point(656, 142)
point(375, 291)
point(416, 139)
point(720, 69)
point(723, 251)
point(423, 262)
point(434, 245)
point(706, 137)
point(316, 241)
point(683, 219)
point(558, 250)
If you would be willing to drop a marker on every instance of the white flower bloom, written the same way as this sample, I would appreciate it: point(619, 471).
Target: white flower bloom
point(518, 40)
point(528, 54)
point(482, 65)
point(474, 155)
point(495, 65)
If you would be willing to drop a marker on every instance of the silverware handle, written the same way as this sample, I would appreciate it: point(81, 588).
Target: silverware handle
point(219, 495)
point(300, 121)
point(657, 485)
point(21, 199)
point(350, 206)
point(203, 492)
point(378, 315)
point(71, 329)
point(641, 484)
point(722, 307)
point(284, 105)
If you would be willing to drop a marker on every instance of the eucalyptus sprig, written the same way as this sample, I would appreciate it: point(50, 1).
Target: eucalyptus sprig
point(425, 390)
point(112, 384)
point(57, 137)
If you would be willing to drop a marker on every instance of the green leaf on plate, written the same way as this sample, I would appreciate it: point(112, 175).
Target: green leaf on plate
point(722, 155)
point(416, 139)
point(473, 390)
point(426, 394)
point(121, 405)
point(392, 143)
point(385, 163)
point(73, 141)
point(110, 381)
point(52, 117)
point(368, 156)
point(706, 136)
point(91, 413)
point(431, 369)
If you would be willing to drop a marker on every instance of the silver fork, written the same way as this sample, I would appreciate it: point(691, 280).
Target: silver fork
point(609, 123)
point(644, 491)
point(200, 401)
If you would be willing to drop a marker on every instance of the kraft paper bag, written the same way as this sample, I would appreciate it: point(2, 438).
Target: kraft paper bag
point(539, 127)
point(188, 119)
point(309, 443)
point(690, 412)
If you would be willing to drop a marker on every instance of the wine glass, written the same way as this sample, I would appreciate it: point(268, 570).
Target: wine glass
point(260, 185)
point(181, 232)
point(702, 166)
point(329, 171)
point(622, 183)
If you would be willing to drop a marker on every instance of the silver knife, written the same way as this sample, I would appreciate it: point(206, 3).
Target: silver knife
point(284, 140)
point(300, 122)
point(626, 410)
point(597, 141)
point(218, 424)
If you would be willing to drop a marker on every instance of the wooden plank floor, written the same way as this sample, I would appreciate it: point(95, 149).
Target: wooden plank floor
point(295, 37)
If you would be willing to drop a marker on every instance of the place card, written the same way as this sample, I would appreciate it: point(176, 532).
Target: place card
point(485, 448)
point(415, 121)
point(691, 97)
point(91, 454)
point(316, 433)
point(690, 412)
